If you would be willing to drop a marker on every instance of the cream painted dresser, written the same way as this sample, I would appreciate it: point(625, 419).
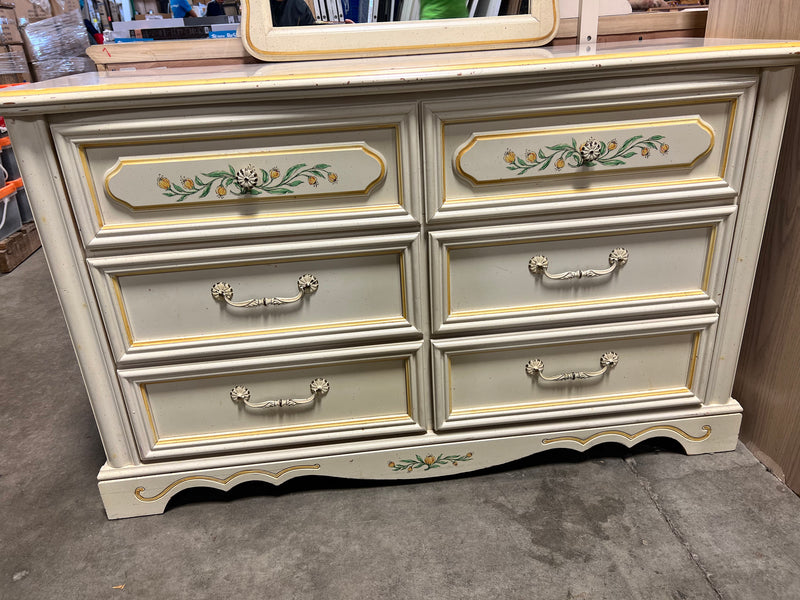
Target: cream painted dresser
point(402, 268)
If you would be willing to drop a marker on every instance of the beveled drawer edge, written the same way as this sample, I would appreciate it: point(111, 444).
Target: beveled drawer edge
point(732, 100)
point(386, 420)
point(475, 139)
point(332, 177)
point(81, 146)
point(595, 399)
point(620, 299)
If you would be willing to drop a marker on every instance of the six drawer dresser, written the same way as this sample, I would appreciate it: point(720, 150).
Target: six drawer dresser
point(402, 268)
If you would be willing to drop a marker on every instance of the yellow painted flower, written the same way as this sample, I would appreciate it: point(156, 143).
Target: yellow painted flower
point(645, 152)
point(612, 145)
point(455, 463)
point(409, 469)
point(391, 465)
point(531, 157)
point(333, 177)
point(560, 164)
point(312, 181)
point(429, 460)
point(469, 454)
point(509, 157)
point(221, 191)
point(187, 183)
point(274, 173)
point(163, 182)
point(664, 148)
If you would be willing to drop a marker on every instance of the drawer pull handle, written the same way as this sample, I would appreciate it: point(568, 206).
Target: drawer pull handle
point(617, 258)
point(307, 284)
point(319, 387)
point(535, 367)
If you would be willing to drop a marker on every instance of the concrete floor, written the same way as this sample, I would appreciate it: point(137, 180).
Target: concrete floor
point(611, 524)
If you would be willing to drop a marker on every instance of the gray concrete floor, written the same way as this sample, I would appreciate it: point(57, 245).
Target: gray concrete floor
point(611, 524)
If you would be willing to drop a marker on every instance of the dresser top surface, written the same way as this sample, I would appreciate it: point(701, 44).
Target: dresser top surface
point(377, 72)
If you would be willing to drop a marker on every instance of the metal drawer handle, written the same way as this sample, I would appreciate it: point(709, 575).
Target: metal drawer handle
point(319, 387)
point(307, 284)
point(617, 258)
point(608, 360)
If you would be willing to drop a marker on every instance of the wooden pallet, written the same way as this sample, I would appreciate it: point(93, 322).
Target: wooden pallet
point(18, 246)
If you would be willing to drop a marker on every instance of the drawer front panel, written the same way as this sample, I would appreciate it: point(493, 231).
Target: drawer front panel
point(203, 407)
point(240, 168)
point(525, 153)
point(641, 366)
point(280, 292)
point(530, 272)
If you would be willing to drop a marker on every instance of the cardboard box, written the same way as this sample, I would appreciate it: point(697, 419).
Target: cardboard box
point(14, 65)
point(59, 7)
point(9, 29)
point(32, 10)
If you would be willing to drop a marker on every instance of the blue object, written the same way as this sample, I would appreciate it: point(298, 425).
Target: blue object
point(180, 8)
point(224, 33)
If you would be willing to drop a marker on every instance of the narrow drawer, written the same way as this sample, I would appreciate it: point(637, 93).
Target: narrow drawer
point(199, 302)
point(559, 149)
point(569, 373)
point(262, 169)
point(288, 400)
point(579, 269)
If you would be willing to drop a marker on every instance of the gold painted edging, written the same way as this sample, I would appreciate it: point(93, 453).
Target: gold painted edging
point(587, 400)
point(126, 324)
point(535, 307)
point(88, 177)
point(138, 491)
point(159, 441)
point(575, 130)
point(322, 74)
point(166, 160)
point(584, 441)
point(733, 101)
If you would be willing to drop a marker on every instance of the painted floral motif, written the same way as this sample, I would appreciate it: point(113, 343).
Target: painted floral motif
point(429, 462)
point(591, 152)
point(247, 181)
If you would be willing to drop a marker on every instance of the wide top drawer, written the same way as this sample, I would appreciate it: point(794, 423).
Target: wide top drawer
point(561, 149)
point(236, 171)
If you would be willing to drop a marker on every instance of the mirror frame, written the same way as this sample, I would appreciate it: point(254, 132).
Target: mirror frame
point(274, 44)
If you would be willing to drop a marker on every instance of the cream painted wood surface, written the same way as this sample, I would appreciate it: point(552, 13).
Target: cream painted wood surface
point(136, 178)
point(192, 409)
point(515, 154)
point(269, 43)
point(166, 302)
point(606, 370)
point(490, 274)
point(415, 324)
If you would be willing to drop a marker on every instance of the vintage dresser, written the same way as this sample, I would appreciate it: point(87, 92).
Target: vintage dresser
point(402, 268)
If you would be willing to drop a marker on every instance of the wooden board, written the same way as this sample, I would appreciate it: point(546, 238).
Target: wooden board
point(18, 246)
point(768, 378)
point(754, 19)
point(184, 53)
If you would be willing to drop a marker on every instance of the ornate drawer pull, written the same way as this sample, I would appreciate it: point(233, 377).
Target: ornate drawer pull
point(608, 360)
point(617, 258)
point(307, 284)
point(319, 387)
